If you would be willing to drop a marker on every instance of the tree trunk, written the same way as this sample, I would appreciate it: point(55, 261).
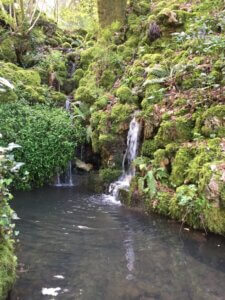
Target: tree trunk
point(110, 11)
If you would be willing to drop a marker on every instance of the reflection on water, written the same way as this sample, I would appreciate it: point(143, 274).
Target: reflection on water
point(130, 256)
point(76, 245)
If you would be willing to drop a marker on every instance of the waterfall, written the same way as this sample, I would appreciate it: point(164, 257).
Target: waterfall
point(65, 179)
point(129, 156)
point(71, 69)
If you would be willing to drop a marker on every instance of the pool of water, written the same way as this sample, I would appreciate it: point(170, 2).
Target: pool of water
point(75, 245)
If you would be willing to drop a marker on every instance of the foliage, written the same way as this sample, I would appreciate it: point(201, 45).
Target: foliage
point(8, 168)
point(148, 184)
point(48, 138)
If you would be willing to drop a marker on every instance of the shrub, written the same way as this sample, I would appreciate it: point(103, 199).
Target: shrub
point(47, 137)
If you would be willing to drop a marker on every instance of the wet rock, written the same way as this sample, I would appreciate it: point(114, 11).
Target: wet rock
point(83, 166)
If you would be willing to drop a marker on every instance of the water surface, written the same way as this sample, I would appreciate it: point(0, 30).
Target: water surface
point(82, 247)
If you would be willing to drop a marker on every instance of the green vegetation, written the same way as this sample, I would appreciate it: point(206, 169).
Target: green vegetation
point(48, 139)
point(169, 65)
point(8, 171)
point(164, 61)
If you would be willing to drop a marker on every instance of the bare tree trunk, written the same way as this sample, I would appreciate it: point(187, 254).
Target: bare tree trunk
point(110, 11)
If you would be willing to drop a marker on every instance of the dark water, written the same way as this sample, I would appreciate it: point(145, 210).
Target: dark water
point(92, 250)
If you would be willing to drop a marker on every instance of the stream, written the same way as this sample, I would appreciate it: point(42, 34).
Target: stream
point(75, 244)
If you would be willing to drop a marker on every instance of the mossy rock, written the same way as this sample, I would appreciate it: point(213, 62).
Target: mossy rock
point(212, 182)
point(52, 42)
point(100, 103)
point(124, 196)
point(187, 207)
point(125, 95)
point(107, 79)
point(17, 75)
point(78, 75)
point(7, 50)
point(206, 152)
point(120, 116)
point(152, 59)
point(162, 203)
point(86, 94)
point(58, 98)
point(161, 159)
point(66, 45)
point(214, 219)
point(109, 175)
point(212, 122)
point(8, 267)
point(87, 56)
point(69, 85)
point(8, 96)
point(148, 148)
point(179, 130)
point(180, 166)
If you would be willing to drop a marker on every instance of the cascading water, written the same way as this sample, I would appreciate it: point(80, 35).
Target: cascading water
point(129, 157)
point(66, 179)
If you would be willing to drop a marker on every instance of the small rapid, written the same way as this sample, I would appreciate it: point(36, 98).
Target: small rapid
point(65, 179)
point(128, 169)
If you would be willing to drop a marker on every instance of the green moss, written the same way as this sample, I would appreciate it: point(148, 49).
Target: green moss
point(100, 103)
point(180, 166)
point(69, 85)
point(77, 76)
point(52, 42)
point(87, 94)
point(109, 175)
point(152, 59)
point(7, 96)
point(106, 139)
point(179, 130)
point(160, 158)
point(212, 121)
point(7, 50)
point(120, 114)
point(162, 202)
point(135, 23)
point(125, 95)
point(148, 148)
point(206, 152)
point(124, 197)
point(66, 45)
point(87, 57)
point(18, 75)
point(214, 219)
point(107, 79)
point(132, 41)
point(58, 98)
point(8, 268)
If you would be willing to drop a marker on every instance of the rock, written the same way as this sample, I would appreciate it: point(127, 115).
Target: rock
point(83, 166)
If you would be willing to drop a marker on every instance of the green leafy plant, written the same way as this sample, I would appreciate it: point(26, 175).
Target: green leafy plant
point(48, 139)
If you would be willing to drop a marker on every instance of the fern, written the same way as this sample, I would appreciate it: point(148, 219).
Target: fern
point(151, 184)
point(154, 81)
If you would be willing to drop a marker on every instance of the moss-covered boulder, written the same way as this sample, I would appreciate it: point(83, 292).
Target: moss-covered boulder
point(125, 95)
point(180, 165)
point(212, 122)
point(179, 130)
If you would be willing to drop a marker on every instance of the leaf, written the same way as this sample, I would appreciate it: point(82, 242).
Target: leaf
point(154, 81)
point(151, 183)
point(12, 146)
point(5, 83)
